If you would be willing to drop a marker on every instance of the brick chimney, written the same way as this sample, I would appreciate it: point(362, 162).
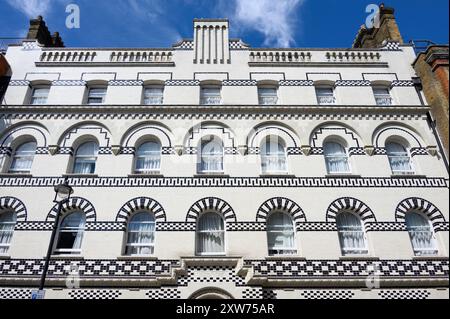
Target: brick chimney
point(39, 31)
point(374, 37)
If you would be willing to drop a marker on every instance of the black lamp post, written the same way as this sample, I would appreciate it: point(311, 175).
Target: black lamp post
point(62, 195)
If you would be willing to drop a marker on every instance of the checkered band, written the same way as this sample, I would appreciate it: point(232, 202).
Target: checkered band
point(211, 204)
point(126, 83)
point(42, 151)
point(176, 226)
point(15, 205)
point(94, 294)
point(327, 294)
point(253, 151)
point(141, 204)
point(280, 204)
point(127, 150)
point(190, 150)
point(316, 151)
point(69, 83)
point(246, 226)
point(404, 294)
point(294, 151)
point(5, 151)
point(184, 45)
point(353, 83)
point(402, 83)
point(33, 226)
point(252, 293)
point(385, 226)
point(231, 151)
point(168, 150)
point(65, 151)
point(238, 45)
point(164, 293)
point(356, 151)
point(15, 294)
point(74, 204)
point(106, 226)
point(347, 268)
point(182, 83)
point(380, 151)
point(30, 45)
point(391, 46)
point(442, 226)
point(419, 205)
point(239, 83)
point(88, 268)
point(316, 226)
point(19, 83)
point(210, 274)
point(104, 151)
point(419, 151)
point(296, 83)
point(349, 204)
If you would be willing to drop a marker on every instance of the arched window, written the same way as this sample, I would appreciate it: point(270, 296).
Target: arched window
point(148, 158)
point(336, 158)
point(273, 156)
point(7, 224)
point(422, 235)
point(210, 234)
point(281, 234)
point(85, 158)
point(70, 234)
point(399, 158)
point(211, 156)
point(351, 234)
point(23, 158)
point(141, 235)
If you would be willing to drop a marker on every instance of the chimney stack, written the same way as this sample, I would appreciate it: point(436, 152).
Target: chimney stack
point(387, 30)
point(211, 41)
point(39, 31)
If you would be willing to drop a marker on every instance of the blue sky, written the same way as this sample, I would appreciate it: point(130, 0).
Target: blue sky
point(260, 23)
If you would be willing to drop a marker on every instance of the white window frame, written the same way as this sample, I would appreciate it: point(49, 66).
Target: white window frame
point(201, 156)
point(326, 157)
point(382, 96)
point(331, 98)
point(282, 251)
point(435, 245)
point(224, 232)
point(39, 99)
point(136, 158)
point(153, 98)
point(408, 154)
point(264, 157)
point(90, 95)
point(7, 246)
point(76, 157)
point(64, 251)
point(345, 251)
point(263, 98)
point(130, 245)
point(30, 157)
point(210, 99)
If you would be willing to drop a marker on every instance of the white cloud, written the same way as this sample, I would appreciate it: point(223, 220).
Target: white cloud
point(31, 8)
point(276, 19)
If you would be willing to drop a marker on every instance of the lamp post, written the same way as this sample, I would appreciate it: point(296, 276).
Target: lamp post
point(62, 195)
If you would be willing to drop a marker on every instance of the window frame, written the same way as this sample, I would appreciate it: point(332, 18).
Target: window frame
point(33, 96)
point(319, 88)
point(412, 171)
point(261, 95)
point(14, 156)
point(96, 87)
point(136, 158)
point(362, 252)
point(223, 231)
point(128, 245)
point(76, 157)
point(65, 251)
point(326, 157)
point(263, 156)
point(287, 251)
point(150, 87)
point(12, 223)
point(378, 96)
point(203, 98)
point(200, 157)
point(435, 242)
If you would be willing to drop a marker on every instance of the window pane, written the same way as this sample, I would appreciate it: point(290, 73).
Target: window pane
point(210, 234)
point(211, 156)
point(325, 96)
point(421, 233)
point(336, 158)
point(97, 96)
point(86, 158)
point(70, 236)
point(351, 234)
point(382, 96)
point(153, 95)
point(7, 224)
point(39, 96)
point(23, 158)
point(141, 234)
point(273, 156)
point(210, 96)
point(281, 234)
point(267, 96)
point(148, 157)
point(398, 158)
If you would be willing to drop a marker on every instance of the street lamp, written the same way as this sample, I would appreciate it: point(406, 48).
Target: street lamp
point(62, 196)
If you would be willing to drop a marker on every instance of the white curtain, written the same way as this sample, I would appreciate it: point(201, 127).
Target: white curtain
point(273, 156)
point(148, 157)
point(211, 156)
point(85, 158)
point(351, 234)
point(141, 234)
point(398, 158)
point(71, 233)
point(421, 233)
point(23, 157)
point(7, 224)
point(153, 95)
point(281, 234)
point(210, 234)
point(336, 158)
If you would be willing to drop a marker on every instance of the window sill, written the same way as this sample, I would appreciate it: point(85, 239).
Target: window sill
point(201, 175)
point(349, 175)
point(285, 257)
point(358, 257)
point(66, 257)
point(279, 175)
point(5, 257)
point(15, 175)
point(412, 176)
point(80, 175)
point(425, 258)
point(155, 175)
point(137, 258)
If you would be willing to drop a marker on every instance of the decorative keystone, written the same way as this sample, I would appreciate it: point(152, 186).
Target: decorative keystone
point(243, 150)
point(179, 149)
point(116, 149)
point(53, 149)
point(306, 149)
point(369, 149)
point(432, 150)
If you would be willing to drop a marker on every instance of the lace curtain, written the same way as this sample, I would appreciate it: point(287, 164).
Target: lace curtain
point(211, 156)
point(141, 235)
point(398, 158)
point(85, 158)
point(336, 158)
point(210, 234)
point(351, 234)
point(273, 156)
point(421, 233)
point(7, 224)
point(148, 157)
point(280, 234)
point(23, 158)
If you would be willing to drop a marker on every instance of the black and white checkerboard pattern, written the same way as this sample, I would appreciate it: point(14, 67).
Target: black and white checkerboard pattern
point(86, 294)
point(164, 293)
point(13, 293)
point(252, 293)
point(404, 294)
point(327, 294)
point(210, 274)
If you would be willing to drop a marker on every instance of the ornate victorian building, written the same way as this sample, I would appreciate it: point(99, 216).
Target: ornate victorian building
point(213, 169)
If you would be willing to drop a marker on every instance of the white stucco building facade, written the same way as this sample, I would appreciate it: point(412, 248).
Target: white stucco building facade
point(215, 169)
